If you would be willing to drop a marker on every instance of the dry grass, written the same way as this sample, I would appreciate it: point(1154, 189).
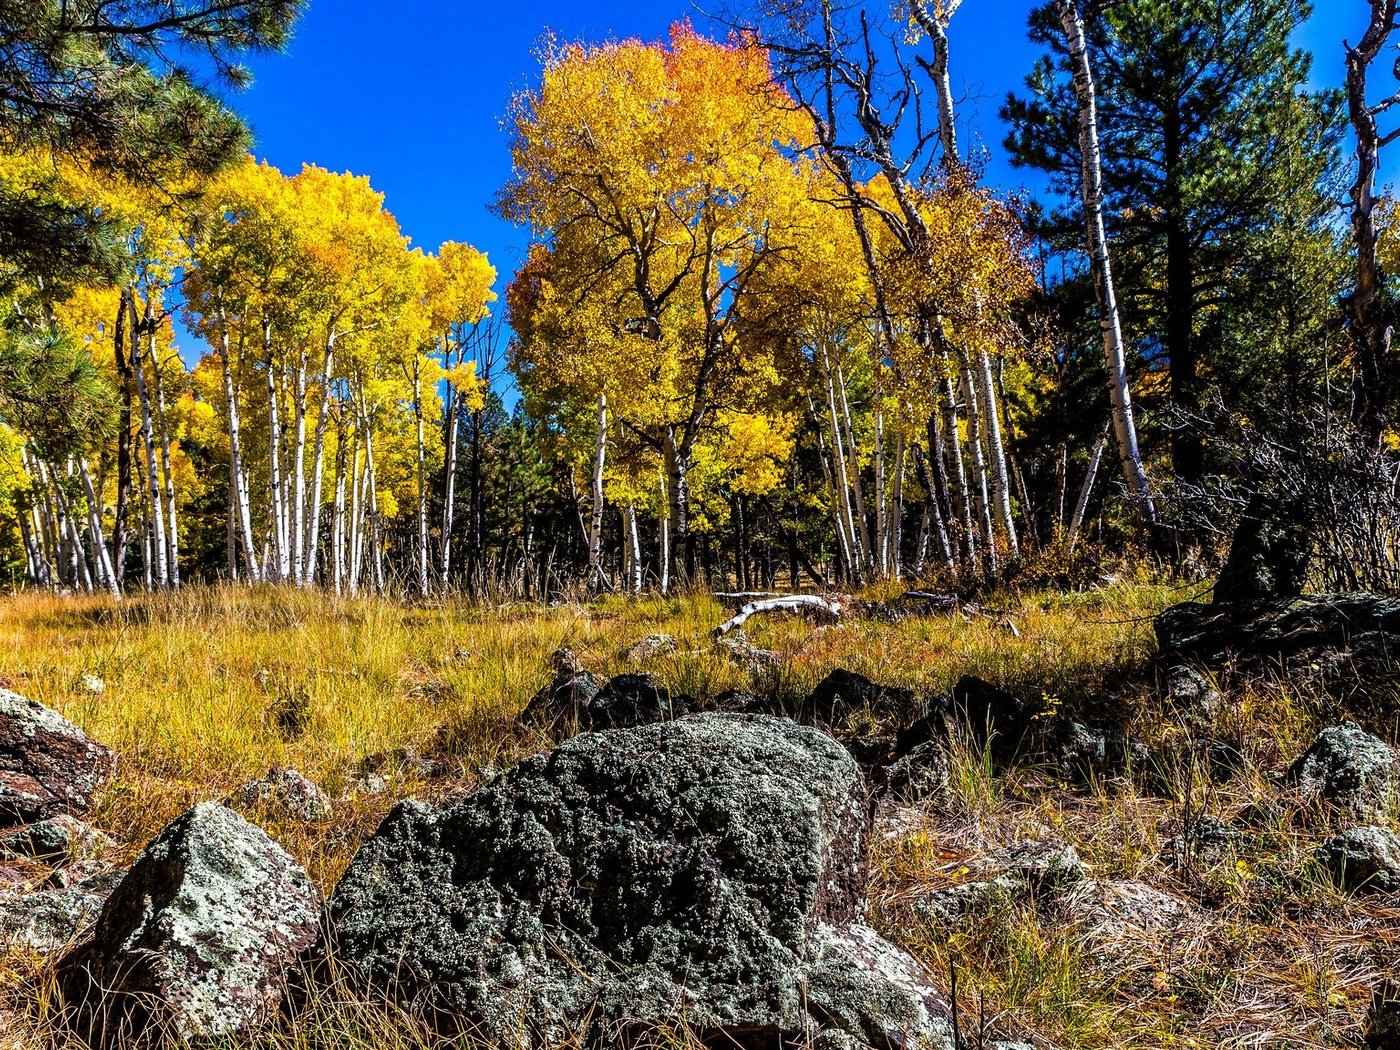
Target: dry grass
point(194, 686)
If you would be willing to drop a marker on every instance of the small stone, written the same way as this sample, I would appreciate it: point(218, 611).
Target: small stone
point(368, 784)
point(286, 792)
point(752, 659)
point(632, 700)
point(63, 837)
point(919, 776)
point(90, 683)
point(1382, 1030)
point(650, 647)
point(1207, 839)
point(1188, 693)
point(47, 764)
point(565, 662)
point(1365, 860)
point(561, 707)
point(1046, 866)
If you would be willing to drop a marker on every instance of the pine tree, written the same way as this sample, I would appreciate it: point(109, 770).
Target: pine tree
point(1211, 144)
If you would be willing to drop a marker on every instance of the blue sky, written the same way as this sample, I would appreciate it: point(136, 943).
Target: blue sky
point(412, 94)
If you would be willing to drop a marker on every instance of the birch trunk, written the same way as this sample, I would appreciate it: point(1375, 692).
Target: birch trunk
point(158, 564)
point(274, 457)
point(597, 578)
point(297, 518)
point(449, 470)
point(996, 450)
point(104, 561)
point(979, 465)
point(172, 524)
point(1091, 181)
point(318, 461)
point(634, 548)
point(238, 479)
point(1081, 506)
point(422, 471)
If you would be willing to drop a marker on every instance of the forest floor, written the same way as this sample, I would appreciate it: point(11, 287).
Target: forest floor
point(204, 691)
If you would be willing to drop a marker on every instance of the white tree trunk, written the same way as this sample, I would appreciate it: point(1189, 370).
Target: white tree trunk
point(318, 462)
point(597, 578)
point(1130, 458)
point(449, 470)
point(238, 479)
point(275, 488)
point(172, 524)
point(159, 563)
point(107, 576)
point(1082, 505)
point(996, 450)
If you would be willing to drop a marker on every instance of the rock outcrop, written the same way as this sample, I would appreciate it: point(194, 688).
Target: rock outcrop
point(47, 764)
point(1339, 637)
point(196, 939)
point(711, 868)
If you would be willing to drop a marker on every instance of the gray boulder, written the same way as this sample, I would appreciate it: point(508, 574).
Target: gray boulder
point(283, 791)
point(712, 867)
point(1382, 1028)
point(1365, 859)
point(1349, 768)
point(47, 764)
point(196, 939)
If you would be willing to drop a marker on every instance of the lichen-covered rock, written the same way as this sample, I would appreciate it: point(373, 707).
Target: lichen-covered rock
point(196, 938)
point(46, 920)
point(919, 776)
point(712, 867)
point(750, 657)
point(561, 706)
point(650, 647)
point(63, 837)
point(1115, 911)
point(633, 700)
point(1030, 870)
point(1340, 637)
point(1363, 859)
point(47, 764)
point(1349, 768)
point(1190, 695)
point(1206, 839)
point(843, 695)
point(1382, 1029)
point(994, 716)
point(284, 791)
point(1086, 753)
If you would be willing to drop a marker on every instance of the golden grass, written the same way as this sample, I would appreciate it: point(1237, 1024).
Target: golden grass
point(193, 684)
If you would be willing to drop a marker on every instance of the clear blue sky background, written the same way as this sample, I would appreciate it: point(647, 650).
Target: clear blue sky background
point(413, 94)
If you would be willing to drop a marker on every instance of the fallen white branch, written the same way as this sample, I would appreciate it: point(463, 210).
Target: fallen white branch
point(786, 603)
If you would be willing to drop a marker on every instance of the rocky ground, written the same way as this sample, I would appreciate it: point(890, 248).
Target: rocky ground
point(1191, 847)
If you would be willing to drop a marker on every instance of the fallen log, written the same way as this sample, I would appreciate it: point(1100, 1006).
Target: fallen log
point(785, 603)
